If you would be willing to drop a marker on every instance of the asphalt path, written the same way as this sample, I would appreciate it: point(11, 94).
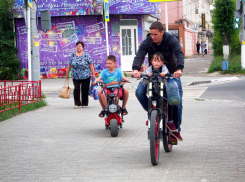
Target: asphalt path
point(234, 90)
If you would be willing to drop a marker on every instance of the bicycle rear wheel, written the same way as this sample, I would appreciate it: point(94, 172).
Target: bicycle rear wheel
point(167, 144)
point(166, 134)
point(154, 137)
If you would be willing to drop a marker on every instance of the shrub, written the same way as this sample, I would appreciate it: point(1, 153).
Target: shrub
point(223, 20)
point(9, 63)
point(234, 65)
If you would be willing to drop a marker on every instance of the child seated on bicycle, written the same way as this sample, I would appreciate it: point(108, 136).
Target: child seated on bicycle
point(158, 65)
point(111, 77)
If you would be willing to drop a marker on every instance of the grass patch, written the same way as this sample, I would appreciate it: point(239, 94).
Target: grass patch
point(125, 74)
point(200, 99)
point(234, 63)
point(13, 112)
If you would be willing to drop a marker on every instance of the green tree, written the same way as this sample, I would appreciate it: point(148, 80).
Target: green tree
point(9, 63)
point(223, 20)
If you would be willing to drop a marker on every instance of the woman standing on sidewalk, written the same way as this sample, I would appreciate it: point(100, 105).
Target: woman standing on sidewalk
point(82, 66)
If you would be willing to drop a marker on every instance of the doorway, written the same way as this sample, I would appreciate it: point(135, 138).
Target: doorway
point(128, 44)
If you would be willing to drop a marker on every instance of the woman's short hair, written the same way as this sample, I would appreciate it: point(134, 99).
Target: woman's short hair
point(80, 42)
point(112, 58)
point(157, 25)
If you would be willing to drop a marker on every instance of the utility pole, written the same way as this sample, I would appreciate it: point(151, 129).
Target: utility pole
point(29, 41)
point(166, 15)
point(106, 17)
point(243, 36)
point(30, 12)
point(35, 56)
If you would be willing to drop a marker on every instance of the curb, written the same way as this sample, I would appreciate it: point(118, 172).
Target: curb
point(199, 82)
point(214, 81)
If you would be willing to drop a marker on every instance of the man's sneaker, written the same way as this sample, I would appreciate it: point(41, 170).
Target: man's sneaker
point(177, 135)
point(171, 127)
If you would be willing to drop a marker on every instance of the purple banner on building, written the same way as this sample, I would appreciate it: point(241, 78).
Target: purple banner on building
point(57, 44)
point(92, 7)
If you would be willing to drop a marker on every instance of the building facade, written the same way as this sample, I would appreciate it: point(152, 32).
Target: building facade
point(81, 20)
point(190, 21)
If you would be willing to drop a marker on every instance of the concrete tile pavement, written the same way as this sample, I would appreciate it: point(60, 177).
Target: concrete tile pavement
point(60, 143)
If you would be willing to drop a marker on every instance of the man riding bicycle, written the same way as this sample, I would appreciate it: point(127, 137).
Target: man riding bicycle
point(168, 45)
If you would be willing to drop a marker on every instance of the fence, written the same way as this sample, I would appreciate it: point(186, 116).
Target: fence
point(14, 94)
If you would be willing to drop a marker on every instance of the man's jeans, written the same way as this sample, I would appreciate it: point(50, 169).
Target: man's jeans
point(143, 99)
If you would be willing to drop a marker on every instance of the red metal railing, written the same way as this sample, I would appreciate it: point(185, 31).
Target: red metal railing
point(14, 94)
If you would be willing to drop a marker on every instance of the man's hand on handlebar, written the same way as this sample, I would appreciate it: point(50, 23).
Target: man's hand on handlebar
point(94, 83)
point(177, 73)
point(162, 74)
point(136, 74)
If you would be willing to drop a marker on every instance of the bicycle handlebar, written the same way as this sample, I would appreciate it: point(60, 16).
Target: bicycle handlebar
point(168, 75)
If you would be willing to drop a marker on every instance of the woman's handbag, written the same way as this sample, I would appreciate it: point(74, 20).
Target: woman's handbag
point(93, 90)
point(65, 91)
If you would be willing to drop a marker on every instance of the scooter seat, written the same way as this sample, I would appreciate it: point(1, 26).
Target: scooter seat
point(112, 95)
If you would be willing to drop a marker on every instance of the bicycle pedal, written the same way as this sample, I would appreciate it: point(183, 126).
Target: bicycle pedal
point(173, 141)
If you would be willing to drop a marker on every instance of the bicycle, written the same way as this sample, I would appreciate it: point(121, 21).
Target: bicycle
point(114, 114)
point(158, 115)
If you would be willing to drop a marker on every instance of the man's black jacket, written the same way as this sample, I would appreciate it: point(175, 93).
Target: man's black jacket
point(170, 48)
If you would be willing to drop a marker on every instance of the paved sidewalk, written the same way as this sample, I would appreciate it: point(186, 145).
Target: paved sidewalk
point(63, 144)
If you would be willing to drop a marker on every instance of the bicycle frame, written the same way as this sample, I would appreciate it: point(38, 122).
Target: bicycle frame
point(157, 99)
point(157, 115)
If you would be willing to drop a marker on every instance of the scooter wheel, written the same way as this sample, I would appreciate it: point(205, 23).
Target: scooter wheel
point(113, 127)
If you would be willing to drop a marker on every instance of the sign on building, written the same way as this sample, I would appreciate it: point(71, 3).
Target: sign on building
point(106, 10)
point(203, 22)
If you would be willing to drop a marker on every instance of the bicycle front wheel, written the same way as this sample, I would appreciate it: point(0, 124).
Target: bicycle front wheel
point(154, 137)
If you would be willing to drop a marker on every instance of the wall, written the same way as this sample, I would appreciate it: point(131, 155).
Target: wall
point(190, 42)
point(175, 12)
point(179, 27)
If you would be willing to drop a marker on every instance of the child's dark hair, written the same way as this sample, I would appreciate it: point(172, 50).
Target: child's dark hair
point(112, 58)
point(159, 55)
